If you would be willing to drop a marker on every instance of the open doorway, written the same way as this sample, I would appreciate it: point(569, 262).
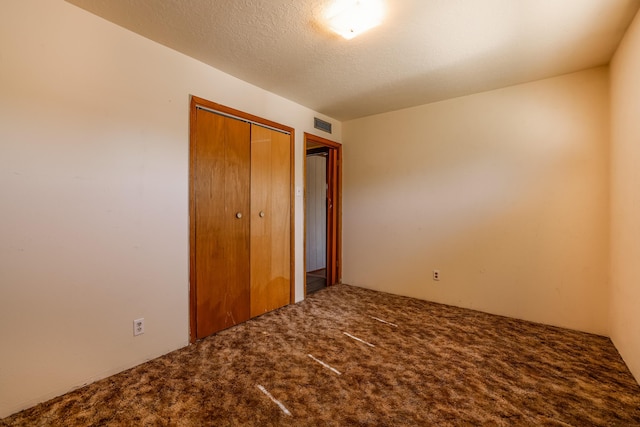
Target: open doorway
point(316, 209)
point(323, 174)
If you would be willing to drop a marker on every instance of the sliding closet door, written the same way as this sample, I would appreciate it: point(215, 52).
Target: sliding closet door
point(222, 216)
point(270, 220)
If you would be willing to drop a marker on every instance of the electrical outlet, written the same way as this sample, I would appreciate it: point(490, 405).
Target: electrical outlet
point(436, 275)
point(138, 326)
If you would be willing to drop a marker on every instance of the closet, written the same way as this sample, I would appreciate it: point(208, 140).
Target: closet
point(240, 219)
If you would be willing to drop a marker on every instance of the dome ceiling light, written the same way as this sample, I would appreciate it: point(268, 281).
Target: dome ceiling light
point(350, 18)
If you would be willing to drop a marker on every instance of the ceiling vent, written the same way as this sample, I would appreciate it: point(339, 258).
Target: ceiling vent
point(322, 125)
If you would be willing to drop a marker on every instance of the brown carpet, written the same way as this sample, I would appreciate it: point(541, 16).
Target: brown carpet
point(435, 365)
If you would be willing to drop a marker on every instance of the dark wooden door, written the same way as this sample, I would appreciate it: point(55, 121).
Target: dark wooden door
point(332, 217)
point(221, 179)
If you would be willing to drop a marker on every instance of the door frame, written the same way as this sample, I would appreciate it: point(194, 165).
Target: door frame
point(334, 212)
point(241, 115)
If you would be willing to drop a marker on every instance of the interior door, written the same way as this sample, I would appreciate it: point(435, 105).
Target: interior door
point(332, 218)
point(270, 220)
point(221, 179)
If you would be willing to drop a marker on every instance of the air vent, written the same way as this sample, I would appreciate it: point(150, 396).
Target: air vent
point(322, 125)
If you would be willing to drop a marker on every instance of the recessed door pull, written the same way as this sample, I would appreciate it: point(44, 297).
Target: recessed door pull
point(261, 214)
point(239, 215)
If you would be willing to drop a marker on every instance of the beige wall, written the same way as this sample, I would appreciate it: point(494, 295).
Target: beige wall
point(625, 198)
point(505, 192)
point(94, 139)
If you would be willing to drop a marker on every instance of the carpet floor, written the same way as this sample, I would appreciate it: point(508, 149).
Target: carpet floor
point(348, 356)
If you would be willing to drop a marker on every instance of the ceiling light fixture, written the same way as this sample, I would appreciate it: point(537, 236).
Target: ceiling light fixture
point(350, 18)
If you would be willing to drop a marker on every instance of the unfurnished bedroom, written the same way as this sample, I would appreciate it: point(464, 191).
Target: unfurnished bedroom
point(356, 212)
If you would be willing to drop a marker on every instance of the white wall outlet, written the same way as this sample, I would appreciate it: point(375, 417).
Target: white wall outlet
point(436, 275)
point(138, 326)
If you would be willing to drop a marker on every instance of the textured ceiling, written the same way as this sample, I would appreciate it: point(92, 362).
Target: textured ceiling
point(424, 51)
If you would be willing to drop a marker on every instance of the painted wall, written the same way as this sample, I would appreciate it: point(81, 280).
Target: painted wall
point(505, 192)
point(625, 198)
point(94, 138)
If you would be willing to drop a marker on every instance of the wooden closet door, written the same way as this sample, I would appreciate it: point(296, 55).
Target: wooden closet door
point(270, 220)
point(222, 217)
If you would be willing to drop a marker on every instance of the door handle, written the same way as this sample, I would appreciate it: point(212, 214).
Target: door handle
point(239, 215)
point(261, 214)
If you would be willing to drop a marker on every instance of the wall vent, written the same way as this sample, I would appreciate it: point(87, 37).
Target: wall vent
point(322, 125)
